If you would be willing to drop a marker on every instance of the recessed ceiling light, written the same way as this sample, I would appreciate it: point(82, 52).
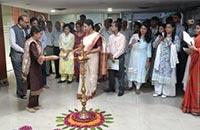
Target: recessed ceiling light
point(109, 9)
point(53, 11)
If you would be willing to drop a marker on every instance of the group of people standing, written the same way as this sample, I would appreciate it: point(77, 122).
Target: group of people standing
point(151, 53)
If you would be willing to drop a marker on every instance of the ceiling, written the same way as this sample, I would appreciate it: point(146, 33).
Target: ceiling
point(80, 6)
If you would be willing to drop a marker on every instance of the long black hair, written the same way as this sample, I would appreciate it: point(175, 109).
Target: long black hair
point(35, 29)
point(89, 22)
point(173, 32)
point(67, 25)
point(147, 36)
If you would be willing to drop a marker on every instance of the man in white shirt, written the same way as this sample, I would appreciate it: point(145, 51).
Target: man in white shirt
point(43, 41)
point(116, 46)
point(49, 47)
point(56, 50)
point(127, 33)
point(17, 38)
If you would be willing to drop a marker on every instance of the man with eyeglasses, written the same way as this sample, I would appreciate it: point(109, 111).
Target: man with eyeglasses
point(18, 35)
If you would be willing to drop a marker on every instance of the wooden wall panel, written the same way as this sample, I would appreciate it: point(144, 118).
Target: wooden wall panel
point(3, 72)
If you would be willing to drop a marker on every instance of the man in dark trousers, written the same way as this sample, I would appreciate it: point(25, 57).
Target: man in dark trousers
point(182, 56)
point(116, 50)
point(18, 34)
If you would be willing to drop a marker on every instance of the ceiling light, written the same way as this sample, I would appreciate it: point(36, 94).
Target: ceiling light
point(53, 11)
point(109, 9)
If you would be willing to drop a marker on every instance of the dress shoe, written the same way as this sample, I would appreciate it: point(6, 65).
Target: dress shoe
point(57, 77)
point(61, 81)
point(69, 82)
point(46, 86)
point(121, 93)
point(137, 91)
point(109, 90)
point(22, 97)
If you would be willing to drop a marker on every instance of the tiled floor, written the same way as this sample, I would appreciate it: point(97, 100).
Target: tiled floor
point(130, 112)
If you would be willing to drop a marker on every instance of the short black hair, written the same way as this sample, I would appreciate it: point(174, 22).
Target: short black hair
point(49, 23)
point(110, 20)
point(67, 25)
point(35, 29)
point(79, 23)
point(42, 25)
point(119, 20)
point(198, 22)
point(169, 19)
point(33, 19)
point(97, 27)
point(178, 14)
point(118, 25)
point(21, 18)
point(89, 22)
point(155, 18)
point(83, 16)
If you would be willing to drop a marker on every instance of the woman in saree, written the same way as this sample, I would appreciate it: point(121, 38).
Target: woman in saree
point(66, 44)
point(33, 59)
point(191, 100)
point(79, 34)
point(92, 46)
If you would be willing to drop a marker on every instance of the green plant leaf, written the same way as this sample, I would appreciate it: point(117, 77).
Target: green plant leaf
point(64, 114)
point(103, 112)
point(105, 125)
point(76, 110)
point(108, 115)
point(109, 118)
point(59, 121)
point(59, 125)
point(99, 128)
point(71, 111)
point(65, 127)
point(109, 122)
point(97, 110)
point(93, 129)
point(60, 117)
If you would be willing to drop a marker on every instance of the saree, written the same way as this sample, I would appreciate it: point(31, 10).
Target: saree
point(191, 100)
point(91, 66)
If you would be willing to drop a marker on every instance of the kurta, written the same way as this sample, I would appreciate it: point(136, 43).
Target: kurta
point(66, 43)
point(35, 77)
point(191, 100)
point(164, 66)
point(140, 51)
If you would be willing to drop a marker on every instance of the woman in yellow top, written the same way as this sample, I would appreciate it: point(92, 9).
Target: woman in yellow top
point(66, 44)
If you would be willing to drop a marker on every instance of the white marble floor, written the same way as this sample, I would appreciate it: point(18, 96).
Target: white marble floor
point(130, 112)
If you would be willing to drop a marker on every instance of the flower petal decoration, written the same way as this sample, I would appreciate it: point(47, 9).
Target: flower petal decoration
point(96, 120)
